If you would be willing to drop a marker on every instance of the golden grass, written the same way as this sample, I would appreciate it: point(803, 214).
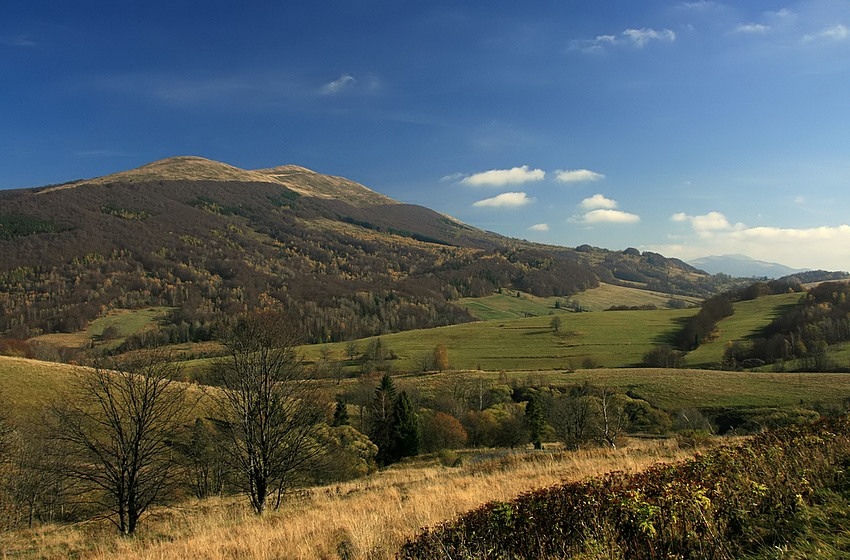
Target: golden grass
point(365, 518)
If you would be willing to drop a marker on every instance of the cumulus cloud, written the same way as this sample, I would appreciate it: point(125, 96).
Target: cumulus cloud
point(835, 33)
point(598, 201)
point(505, 200)
point(577, 175)
point(706, 224)
point(339, 84)
point(502, 177)
point(821, 247)
point(539, 227)
point(638, 38)
point(603, 216)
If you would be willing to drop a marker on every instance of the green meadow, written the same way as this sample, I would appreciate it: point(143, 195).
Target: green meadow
point(120, 324)
point(508, 306)
point(749, 319)
point(605, 339)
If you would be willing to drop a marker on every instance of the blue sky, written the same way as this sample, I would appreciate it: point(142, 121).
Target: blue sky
point(687, 128)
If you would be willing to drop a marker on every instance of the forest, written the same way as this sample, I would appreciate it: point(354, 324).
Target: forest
point(210, 249)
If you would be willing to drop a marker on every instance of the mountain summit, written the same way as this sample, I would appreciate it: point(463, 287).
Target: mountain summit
point(194, 168)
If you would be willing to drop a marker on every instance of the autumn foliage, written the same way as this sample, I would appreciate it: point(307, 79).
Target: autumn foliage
point(726, 503)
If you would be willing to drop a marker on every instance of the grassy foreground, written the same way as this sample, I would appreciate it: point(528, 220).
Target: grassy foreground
point(365, 518)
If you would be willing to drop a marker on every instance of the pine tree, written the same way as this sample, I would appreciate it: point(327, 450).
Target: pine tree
point(340, 413)
point(407, 434)
point(534, 422)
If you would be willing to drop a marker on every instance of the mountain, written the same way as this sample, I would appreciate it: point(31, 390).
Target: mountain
point(206, 240)
point(743, 266)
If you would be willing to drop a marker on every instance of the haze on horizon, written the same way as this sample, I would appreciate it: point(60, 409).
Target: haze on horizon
point(688, 128)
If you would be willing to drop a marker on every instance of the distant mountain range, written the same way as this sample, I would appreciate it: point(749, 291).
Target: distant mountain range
point(743, 266)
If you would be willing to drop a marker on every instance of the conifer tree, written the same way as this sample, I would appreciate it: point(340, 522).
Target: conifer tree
point(534, 422)
point(340, 413)
point(381, 432)
point(407, 434)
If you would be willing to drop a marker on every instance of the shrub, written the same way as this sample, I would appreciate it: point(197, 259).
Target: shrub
point(729, 502)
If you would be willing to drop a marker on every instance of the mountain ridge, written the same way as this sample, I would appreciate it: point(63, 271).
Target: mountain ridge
point(208, 240)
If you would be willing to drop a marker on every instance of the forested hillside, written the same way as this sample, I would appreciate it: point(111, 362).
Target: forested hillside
point(208, 240)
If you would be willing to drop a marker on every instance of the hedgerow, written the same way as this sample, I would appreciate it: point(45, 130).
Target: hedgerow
point(728, 502)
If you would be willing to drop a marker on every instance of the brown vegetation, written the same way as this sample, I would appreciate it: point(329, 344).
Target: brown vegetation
point(365, 518)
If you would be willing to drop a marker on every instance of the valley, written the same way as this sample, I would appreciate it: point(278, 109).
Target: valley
point(488, 366)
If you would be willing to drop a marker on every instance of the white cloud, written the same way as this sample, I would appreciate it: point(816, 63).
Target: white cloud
point(713, 234)
point(701, 5)
point(502, 177)
point(339, 84)
point(505, 200)
point(835, 33)
point(638, 38)
point(705, 224)
point(610, 217)
point(539, 227)
point(577, 175)
point(755, 28)
point(452, 178)
point(598, 201)
point(826, 247)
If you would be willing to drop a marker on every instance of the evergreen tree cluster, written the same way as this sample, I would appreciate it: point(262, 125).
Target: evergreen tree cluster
point(395, 427)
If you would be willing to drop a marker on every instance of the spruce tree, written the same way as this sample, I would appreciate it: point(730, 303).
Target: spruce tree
point(340, 413)
point(381, 432)
point(534, 422)
point(407, 434)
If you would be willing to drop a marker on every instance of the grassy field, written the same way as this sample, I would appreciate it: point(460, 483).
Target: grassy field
point(507, 306)
point(671, 389)
point(365, 518)
point(123, 322)
point(609, 339)
point(749, 318)
point(608, 295)
point(27, 385)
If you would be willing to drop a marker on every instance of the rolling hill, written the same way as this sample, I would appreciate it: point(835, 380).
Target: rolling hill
point(207, 240)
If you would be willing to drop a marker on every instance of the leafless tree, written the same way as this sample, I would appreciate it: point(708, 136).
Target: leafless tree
point(571, 415)
point(269, 410)
point(114, 425)
point(36, 479)
point(611, 418)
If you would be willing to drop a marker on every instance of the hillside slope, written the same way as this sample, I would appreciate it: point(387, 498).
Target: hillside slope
point(210, 239)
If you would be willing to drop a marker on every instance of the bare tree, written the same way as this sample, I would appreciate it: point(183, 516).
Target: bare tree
point(571, 415)
point(114, 426)
point(270, 410)
point(611, 417)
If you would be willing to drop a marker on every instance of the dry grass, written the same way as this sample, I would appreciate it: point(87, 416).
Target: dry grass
point(366, 518)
